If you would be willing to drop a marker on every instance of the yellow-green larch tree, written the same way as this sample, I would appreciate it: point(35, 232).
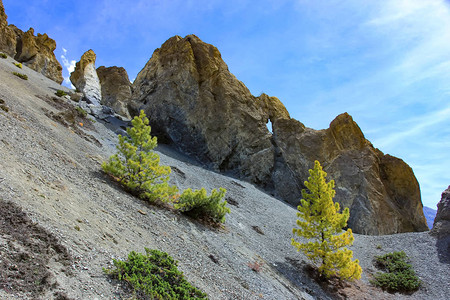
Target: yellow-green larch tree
point(320, 221)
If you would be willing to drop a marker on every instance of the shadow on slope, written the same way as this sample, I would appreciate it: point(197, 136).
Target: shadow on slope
point(26, 250)
point(443, 248)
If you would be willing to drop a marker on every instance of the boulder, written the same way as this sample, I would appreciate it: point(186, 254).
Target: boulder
point(441, 225)
point(7, 35)
point(116, 89)
point(194, 102)
point(85, 78)
point(37, 53)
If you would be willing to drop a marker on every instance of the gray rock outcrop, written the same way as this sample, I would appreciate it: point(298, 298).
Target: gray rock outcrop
point(441, 225)
point(194, 102)
point(86, 80)
point(116, 89)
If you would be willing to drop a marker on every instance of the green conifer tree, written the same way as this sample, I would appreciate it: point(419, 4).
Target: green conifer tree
point(136, 165)
point(321, 223)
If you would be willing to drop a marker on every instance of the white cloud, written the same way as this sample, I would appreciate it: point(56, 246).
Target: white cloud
point(421, 124)
point(69, 65)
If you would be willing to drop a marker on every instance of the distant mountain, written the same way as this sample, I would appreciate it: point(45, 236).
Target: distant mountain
point(430, 214)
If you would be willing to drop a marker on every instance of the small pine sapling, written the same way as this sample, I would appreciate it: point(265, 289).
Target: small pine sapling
point(321, 223)
point(136, 166)
point(199, 204)
point(60, 93)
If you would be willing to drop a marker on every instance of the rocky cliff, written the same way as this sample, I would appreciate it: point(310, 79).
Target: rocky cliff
point(85, 78)
point(7, 35)
point(441, 226)
point(194, 102)
point(36, 52)
point(116, 89)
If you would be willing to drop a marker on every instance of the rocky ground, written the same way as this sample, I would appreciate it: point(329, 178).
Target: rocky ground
point(63, 220)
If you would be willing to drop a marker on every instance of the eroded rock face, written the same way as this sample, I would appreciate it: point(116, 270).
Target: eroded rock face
point(7, 35)
point(381, 191)
point(441, 225)
point(37, 53)
point(85, 78)
point(193, 101)
point(116, 89)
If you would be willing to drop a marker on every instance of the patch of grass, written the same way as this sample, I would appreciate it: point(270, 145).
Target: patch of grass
point(399, 276)
point(3, 106)
point(3, 55)
point(23, 76)
point(60, 93)
point(81, 112)
point(19, 65)
point(154, 274)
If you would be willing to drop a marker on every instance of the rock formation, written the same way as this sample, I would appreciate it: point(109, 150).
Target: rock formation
point(194, 102)
point(85, 78)
point(441, 226)
point(381, 191)
point(116, 89)
point(7, 35)
point(36, 52)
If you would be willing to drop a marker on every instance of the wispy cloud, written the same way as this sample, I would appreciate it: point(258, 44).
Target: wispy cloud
point(70, 67)
point(414, 127)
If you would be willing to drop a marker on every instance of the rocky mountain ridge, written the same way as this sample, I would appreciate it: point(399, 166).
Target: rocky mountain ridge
point(195, 103)
point(430, 215)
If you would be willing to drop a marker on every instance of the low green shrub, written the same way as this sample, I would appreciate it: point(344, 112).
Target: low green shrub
point(81, 112)
point(19, 65)
point(3, 55)
point(60, 93)
point(3, 106)
point(198, 204)
point(156, 275)
point(399, 275)
point(23, 76)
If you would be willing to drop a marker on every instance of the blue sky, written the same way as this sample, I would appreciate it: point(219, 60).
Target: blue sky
point(386, 63)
